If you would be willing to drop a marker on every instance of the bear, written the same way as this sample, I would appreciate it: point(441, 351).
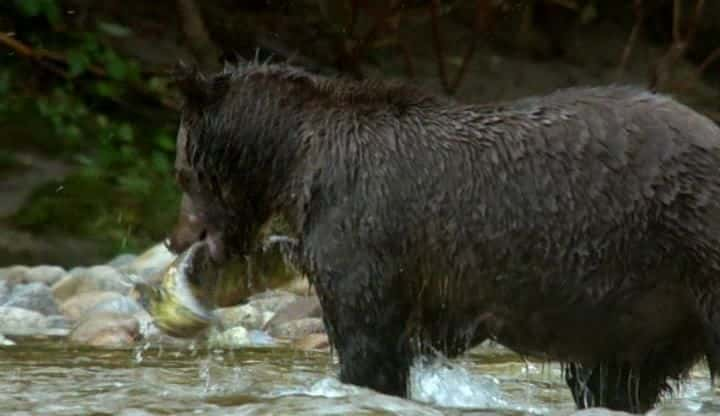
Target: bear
point(580, 226)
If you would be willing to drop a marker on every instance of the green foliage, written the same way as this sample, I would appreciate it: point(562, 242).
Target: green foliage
point(122, 191)
point(49, 9)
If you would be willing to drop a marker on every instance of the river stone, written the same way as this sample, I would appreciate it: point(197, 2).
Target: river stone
point(79, 305)
point(246, 315)
point(58, 322)
point(315, 341)
point(4, 291)
point(88, 279)
point(302, 307)
point(297, 329)
point(122, 304)
point(19, 320)
point(122, 261)
point(271, 300)
point(33, 296)
point(38, 274)
point(106, 330)
point(231, 338)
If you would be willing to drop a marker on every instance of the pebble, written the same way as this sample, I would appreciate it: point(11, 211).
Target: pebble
point(88, 279)
point(79, 305)
point(33, 296)
point(106, 330)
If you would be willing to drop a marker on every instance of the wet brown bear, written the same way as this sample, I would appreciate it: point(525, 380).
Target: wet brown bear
point(580, 226)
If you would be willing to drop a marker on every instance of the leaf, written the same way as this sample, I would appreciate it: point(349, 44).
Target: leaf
point(125, 132)
point(78, 62)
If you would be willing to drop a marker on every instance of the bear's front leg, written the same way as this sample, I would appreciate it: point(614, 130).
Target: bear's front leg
point(366, 323)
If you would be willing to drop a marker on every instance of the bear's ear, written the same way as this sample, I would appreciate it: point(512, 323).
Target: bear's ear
point(197, 89)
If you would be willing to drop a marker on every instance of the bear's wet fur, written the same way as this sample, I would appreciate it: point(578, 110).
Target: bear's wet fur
point(581, 226)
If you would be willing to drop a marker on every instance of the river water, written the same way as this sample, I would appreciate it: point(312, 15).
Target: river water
point(43, 378)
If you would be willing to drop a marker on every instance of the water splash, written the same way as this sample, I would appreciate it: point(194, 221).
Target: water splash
point(447, 385)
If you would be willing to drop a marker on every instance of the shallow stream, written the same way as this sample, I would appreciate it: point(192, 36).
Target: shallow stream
point(49, 378)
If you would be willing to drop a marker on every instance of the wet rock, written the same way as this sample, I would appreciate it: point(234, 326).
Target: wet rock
point(150, 263)
point(47, 275)
point(79, 305)
point(4, 291)
point(246, 315)
point(258, 337)
point(58, 322)
point(272, 300)
point(33, 296)
point(231, 338)
point(299, 286)
point(4, 342)
point(297, 329)
point(106, 330)
point(18, 320)
point(121, 261)
point(316, 341)
point(122, 304)
point(88, 279)
point(300, 308)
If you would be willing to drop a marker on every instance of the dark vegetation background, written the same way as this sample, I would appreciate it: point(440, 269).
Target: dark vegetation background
point(88, 118)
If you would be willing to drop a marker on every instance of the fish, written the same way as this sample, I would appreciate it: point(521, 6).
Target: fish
point(181, 303)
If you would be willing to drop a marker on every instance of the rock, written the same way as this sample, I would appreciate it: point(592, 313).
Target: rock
point(231, 338)
point(58, 322)
point(302, 307)
point(122, 304)
point(299, 286)
point(246, 315)
point(18, 320)
point(88, 279)
point(315, 341)
point(258, 337)
point(121, 261)
point(297, 329)
point(271, 300)
point(47, 275)
point(33, 296)
point(153, 261)
point(4, 342)
point(78, 305)
point(106, 330)
point(4, 291)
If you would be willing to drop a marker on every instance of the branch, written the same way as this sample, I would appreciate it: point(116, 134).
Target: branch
point(50, 60)
point(193, 27)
